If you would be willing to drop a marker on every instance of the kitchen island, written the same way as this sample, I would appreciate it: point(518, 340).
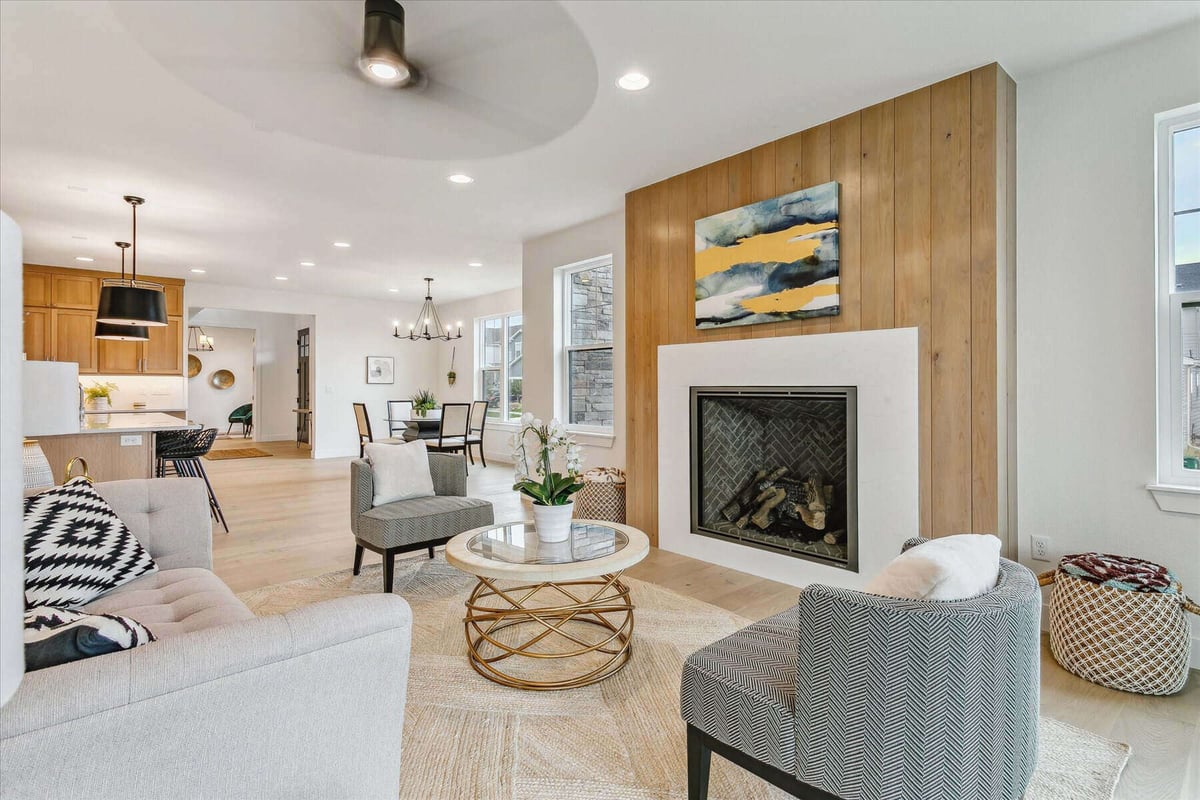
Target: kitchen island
point(115, 446)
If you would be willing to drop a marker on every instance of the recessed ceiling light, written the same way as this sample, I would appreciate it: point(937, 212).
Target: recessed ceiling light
point(77, 188)
point(198, 271)
point(79, 236)
point(633, 81)
point(281, 277)
point(458, 177)
point(84, 258)
point(393, 290)
point(341, 244)
point(308, 263)
point(474, 263)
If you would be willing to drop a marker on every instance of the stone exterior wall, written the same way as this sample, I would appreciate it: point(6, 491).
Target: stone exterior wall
point(592, 323)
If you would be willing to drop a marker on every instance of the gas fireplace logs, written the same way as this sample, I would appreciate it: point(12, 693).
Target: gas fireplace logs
point(771, 497)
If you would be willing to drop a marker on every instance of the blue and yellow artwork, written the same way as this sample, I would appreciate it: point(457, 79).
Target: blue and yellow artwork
point(769, 261)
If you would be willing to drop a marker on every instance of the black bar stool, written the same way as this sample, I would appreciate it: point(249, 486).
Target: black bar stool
point(182, 451)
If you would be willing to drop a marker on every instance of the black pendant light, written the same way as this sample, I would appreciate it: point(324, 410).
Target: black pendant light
point(122, 333)
point(428, 325)
point(132, 302)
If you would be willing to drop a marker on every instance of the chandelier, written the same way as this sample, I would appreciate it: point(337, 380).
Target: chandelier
point(122, 333)
point(428, 325)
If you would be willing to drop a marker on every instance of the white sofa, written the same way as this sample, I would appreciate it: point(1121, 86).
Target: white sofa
point(305, 704)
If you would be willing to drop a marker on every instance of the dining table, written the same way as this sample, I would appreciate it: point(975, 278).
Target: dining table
point(416, 427)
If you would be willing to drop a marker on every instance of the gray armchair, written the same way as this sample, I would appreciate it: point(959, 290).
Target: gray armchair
point(856, 696)
point(406, 525)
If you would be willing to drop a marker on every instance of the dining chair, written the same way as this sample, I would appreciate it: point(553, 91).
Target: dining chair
point(364, 430)
point(479, 410)
point(398, 410)
point(452, 433)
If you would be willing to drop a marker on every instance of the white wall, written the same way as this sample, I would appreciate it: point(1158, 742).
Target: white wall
point(466, 388)
point(344, 332)
point(541, 256)
point(274, 366)
point(1085, 305)
point(233, 349)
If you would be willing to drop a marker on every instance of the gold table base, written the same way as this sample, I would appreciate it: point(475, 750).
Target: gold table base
point(592, 602)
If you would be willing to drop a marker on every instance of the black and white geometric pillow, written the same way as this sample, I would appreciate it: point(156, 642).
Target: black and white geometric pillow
point(77, 548)
point(56, 636)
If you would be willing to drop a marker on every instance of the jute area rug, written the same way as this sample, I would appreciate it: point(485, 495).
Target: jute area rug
point(237, 452)
point(621, 739)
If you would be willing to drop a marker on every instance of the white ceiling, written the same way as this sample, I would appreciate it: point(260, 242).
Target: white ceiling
point(90, 98)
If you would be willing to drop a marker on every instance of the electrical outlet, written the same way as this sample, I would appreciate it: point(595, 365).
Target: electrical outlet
point(131, 441)
point(1041, 548)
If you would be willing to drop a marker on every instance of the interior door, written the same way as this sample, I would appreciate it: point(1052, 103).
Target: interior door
point(303, 421)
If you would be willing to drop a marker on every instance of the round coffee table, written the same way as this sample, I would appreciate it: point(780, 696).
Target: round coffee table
point(569, 606)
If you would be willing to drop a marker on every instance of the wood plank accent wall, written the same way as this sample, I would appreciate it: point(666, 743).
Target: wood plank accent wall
point(926, 231)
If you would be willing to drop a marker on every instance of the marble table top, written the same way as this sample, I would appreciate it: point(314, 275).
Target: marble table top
point(513, 551)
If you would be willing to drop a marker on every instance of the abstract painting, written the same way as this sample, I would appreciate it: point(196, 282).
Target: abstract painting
point(769, 261)
point(381, 369)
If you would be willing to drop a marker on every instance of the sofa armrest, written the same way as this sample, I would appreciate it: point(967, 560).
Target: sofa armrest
point(925, 678)
point(309, 704)
point(362, 490)
point(169, 516)
point(449, 471)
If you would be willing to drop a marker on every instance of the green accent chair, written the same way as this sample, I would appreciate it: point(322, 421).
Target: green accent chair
point(245, 415)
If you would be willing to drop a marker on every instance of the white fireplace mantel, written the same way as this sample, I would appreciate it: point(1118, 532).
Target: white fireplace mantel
point(882, 364)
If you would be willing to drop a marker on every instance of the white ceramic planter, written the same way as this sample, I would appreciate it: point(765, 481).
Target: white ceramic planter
point(553, 523)
point(98, 404)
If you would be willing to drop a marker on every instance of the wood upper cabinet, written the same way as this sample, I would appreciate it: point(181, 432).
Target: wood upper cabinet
point(163, 354)
point(60, 320)
point(37, 333)
point(36, 288)
point(73, 337)
point(74, 291)
point(117, 357)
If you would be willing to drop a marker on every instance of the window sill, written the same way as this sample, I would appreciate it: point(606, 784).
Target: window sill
point(592, 438)
point(1176, 499)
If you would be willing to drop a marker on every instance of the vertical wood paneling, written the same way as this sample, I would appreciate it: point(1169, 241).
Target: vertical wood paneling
point(983, 298)
point(926, 205)
point(845, 156)
point(878, 216)
point(914, 285)
point(950, 168)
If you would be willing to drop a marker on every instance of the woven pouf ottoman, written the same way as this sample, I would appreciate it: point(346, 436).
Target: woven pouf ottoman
point(1120, 622)
point(602, 496)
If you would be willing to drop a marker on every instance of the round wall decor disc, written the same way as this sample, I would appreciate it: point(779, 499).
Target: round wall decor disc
point(194, 366)
point(222, 379)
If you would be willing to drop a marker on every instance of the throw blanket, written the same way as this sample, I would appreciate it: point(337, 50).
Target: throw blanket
point(1121, 572)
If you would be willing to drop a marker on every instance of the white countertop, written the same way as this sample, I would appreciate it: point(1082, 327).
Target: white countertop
point(137, 411)
point(138, 422)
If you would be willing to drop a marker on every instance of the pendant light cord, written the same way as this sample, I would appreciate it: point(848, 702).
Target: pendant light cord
point(134, 278)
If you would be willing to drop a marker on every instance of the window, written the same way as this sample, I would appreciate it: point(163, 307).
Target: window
point(587, 339)
point(500, 365)
point(1178, 213)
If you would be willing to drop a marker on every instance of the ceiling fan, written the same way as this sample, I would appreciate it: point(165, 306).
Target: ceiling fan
point(382, 60)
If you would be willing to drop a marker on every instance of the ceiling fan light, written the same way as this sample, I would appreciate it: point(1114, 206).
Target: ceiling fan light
point(382, 60)
point(122, 333)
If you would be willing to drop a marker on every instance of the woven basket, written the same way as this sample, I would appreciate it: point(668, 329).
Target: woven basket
point(1132, 641)
point(602, 496)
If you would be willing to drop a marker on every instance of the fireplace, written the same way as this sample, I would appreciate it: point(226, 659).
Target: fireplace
point(775, 468)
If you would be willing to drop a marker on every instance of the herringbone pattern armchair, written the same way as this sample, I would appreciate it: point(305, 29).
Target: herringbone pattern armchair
point(860, 697)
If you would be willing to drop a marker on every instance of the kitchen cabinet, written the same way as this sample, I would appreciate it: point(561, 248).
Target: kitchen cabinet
point(163, 354)
point(73, 338)
point(74, 291)
point(37, 333)
point(60, 321)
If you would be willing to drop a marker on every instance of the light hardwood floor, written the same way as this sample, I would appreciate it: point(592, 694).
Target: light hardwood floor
point(289, 518)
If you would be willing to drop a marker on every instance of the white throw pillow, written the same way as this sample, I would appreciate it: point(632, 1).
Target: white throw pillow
point(401, 471)
point(950, 568)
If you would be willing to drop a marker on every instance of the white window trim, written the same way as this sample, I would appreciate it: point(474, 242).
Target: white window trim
point(598, 434)
point(1174, 489)
point(504, 422)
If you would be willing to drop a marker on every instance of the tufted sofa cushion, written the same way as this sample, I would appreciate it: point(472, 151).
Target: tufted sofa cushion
point(174, 601)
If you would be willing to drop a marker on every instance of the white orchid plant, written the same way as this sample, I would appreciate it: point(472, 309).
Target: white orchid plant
point(541, 483)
